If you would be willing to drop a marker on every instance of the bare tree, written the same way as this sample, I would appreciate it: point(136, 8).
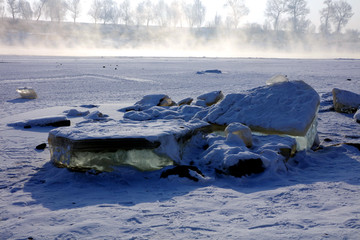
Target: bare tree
point(38, 8)
point(175, 14)
point(25, 10)
point(161, 13)
point(95, 10)
point(56, 10)
point(237, 11)
point(144, 13)
point(109, 11)
point(125, 12)
point(198, 13)
point(298, 10)
point(2, 9)
point(325, 16)
point(13, 7)
point(74, 8)
point(274, 10)
point(342, 14)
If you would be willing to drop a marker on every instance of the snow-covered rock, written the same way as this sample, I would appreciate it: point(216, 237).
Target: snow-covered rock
point(209, 99)
point(96, 115)
point(238, 130)
point(216, 71)
point(285, 108)
point(147, 145)
point(27, 93)
point(149, 101)
point(345, 101)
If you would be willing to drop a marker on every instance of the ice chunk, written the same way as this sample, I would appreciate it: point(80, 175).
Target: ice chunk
point(345, 101)
point(241, 131)
point(149, 101)
point(277, 79)
point(102, 146)
point(53, 121)
point(357, 116)
point(76, 113)
point(27, 93)
point(186, 101)
point(209, 99)
point(286, 108)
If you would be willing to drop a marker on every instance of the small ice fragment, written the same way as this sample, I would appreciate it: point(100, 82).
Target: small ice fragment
point(27, 93)
point(241, 131)
point(277, 79)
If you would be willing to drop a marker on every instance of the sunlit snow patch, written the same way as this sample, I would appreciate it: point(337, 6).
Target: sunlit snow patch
point(102, 146)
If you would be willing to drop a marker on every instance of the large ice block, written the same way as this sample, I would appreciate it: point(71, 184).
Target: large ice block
point(284, 108)
point(102, 146)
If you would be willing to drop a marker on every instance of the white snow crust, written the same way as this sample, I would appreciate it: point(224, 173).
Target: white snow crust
point(314, 195)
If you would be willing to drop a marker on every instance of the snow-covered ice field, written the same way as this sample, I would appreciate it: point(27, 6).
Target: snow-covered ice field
point(316, 198)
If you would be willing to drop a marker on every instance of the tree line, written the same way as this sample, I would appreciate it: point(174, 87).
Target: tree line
point(280, 15)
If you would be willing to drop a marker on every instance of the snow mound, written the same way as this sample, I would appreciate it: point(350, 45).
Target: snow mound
point(239, 131)
point(345, 101)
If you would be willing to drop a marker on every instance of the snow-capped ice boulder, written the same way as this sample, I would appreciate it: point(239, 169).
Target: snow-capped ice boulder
point(27, 93)
point(285, 108)
point(149, 101)
point(277, 79)
point(186, 101)
point(102, 146)
point(345, 101)
point(209, 99)
point(238, 130)
point(357, 116)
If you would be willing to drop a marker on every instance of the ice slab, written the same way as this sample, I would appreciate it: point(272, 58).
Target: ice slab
point(345, 101)
point(285, 108)
point(102, 146)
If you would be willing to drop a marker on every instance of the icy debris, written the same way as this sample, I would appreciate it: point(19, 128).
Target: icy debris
point(96, 115)
point(277, 79)
point(149, 101)
point(216, 71)
point(27, 93)
point(56, 121)
point(102, 146)
point(345, 101)
point(286, 108)
point(209, 99)
point(76, 113)
point(357, 116)
point(186, 101)
point(239, 131)
point(190, 172)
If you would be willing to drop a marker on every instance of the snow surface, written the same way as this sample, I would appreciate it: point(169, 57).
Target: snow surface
point(314, 196)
